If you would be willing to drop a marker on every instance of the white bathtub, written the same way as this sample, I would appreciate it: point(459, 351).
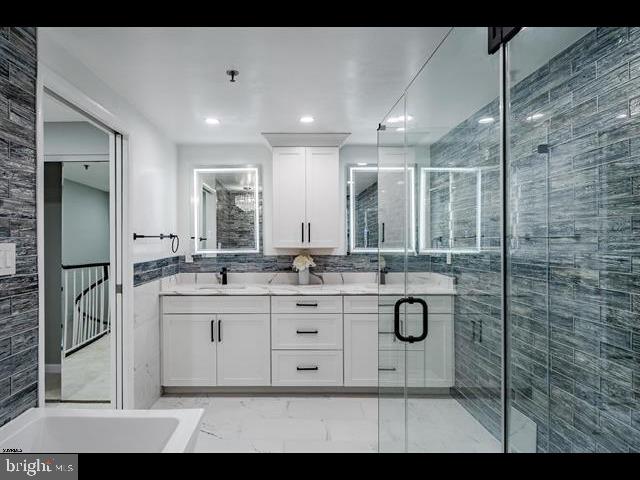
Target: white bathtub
point(58, 430)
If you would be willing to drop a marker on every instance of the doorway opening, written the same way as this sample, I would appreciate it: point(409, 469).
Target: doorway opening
point(79, 257)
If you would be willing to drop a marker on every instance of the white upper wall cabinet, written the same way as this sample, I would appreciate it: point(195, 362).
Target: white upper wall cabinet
point(289, 193)
point(323, 197)
point(306, 197)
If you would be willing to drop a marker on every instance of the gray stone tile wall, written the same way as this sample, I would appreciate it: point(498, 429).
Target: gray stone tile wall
point(19, 292)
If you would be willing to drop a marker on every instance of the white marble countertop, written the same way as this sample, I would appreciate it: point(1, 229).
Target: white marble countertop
point(285, 284)
point(346, 289)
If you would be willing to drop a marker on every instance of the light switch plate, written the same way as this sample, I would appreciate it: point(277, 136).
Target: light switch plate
point(7, 258)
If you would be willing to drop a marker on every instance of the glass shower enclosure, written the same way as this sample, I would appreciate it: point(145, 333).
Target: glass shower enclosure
point(508, 246)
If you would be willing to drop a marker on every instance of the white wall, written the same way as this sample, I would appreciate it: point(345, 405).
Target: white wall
point(85, 224)
point(194, 156)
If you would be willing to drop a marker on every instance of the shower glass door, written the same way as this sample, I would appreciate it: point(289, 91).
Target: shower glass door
point(574, 239)
point(394, 242)
point(439, 208)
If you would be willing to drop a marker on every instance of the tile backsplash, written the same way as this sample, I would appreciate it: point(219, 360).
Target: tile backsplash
point(145, 272)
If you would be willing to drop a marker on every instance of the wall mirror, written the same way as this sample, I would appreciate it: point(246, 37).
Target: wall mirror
point(374, 223)
point(451, 216)
point(226, 210)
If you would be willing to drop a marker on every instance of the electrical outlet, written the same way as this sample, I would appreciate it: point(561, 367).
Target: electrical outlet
point(7, 258)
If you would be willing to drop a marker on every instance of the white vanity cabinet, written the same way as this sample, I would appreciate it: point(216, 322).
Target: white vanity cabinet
point(303, 341)
point(373, 356)
point(306, 340)
point(188, 350)
point(215, 341)
point(306, 197)
point(361, 341)
point(243, 349)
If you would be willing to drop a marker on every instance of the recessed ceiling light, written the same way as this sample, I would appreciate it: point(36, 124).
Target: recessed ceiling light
point(306, 119)
point(400, 129)
point(486, 120)
point(362, 164)
point(212, 121)
point(622, 115)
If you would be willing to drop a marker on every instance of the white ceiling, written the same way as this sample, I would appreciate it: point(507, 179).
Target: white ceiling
point(346, 78)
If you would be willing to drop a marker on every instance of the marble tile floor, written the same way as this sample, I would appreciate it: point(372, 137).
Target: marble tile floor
point(326, 423)
point(85, 374)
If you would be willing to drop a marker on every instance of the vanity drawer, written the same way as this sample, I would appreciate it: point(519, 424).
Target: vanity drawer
point(360, 304)
point(215, 304)
point(391, 368)
point(306, 304)
point(436, 304)
point(306, 331)
point(306, 368)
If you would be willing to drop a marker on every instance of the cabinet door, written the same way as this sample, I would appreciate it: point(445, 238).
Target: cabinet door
point(289, 227)
point(360, 350)
point(323, 198)
point(188, 350)
point(439, 352)
point(244, 349)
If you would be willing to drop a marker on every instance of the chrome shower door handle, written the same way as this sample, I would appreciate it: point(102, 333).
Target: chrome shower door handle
point(425, 320)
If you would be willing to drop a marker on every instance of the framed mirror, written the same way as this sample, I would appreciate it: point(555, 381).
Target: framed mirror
point(451, 216)
point(226, 210)
point(372, 222)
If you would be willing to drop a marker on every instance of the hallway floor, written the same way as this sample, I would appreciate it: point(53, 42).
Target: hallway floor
point(331, 424)
point(85, 375)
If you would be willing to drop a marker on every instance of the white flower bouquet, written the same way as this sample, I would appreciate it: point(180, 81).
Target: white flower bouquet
point(303, 262)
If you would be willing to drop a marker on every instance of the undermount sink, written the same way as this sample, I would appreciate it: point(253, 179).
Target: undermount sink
point(222, 287)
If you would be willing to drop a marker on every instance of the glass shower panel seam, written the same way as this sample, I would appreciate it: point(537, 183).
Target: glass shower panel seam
point(405, 226)
point(504, 191)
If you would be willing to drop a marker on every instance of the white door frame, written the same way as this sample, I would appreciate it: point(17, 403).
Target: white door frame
point(120, 245)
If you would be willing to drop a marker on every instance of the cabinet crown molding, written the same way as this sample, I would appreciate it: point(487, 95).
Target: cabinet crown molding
point(306, 139)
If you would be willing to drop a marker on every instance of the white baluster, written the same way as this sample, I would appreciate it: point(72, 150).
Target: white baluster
point(96, 316)
point(82, 307)
point(90, 300)
point(102, 302)
point(66, 310)
point(93, 302)
point(109, 302)
point(89, 306)
point(75, 311)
